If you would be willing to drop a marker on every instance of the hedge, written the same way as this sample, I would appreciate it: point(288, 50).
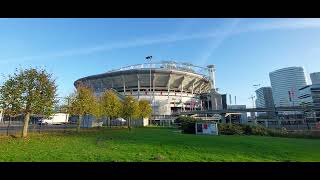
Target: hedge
point(187, 125)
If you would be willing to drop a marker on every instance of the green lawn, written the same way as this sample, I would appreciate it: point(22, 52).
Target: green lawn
point(155, 144)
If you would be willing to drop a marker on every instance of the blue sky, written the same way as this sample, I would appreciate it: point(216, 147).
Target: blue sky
point(243, 50)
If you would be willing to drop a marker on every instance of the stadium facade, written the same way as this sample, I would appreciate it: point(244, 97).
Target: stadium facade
point(169, 86)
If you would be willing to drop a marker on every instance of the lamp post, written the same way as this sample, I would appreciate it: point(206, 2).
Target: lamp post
point(256, 86)
point(149, 58)
point(253, 113)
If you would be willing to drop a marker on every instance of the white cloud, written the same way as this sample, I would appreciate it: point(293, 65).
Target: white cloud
point(287, 24)
point(216, 42)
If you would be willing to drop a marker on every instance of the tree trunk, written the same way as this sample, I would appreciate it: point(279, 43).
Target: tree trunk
point(26, 125)
point(129, 124)
point(79, 123)
point(8, 125)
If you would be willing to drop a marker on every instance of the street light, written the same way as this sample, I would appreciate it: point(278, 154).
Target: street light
point(255, 86)
point(149, 58)
point(252, 97)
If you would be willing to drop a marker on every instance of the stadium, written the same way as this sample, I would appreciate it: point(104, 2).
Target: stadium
point(169, 86)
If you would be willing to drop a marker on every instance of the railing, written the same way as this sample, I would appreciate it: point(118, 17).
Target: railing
point(277, 109)
point(168, 65)
point(120, 96)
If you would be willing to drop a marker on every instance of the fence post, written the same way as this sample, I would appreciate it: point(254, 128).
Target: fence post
point(40, 127)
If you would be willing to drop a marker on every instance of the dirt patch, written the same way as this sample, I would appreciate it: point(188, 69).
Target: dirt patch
point(158, 157)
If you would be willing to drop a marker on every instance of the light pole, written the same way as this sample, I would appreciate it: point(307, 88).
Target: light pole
point(255, 86)
point(253, 113)
point(252, 98)
point(149, 58)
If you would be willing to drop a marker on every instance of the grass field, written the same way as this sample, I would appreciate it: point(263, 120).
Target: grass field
point(155, 144)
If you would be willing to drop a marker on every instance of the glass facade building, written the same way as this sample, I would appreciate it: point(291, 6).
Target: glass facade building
point(285, 84)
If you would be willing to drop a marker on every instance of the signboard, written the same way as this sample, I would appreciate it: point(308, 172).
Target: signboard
point(207, 128)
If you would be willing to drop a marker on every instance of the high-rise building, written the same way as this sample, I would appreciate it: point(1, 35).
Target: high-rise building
point(315, 77)
point(264, 99)
point(285, 84)
point(310, 96)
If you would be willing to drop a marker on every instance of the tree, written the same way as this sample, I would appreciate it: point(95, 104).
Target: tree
point(145, 109)
point(98, 110)
point(82, 102)
point(130, 109)
point(9, 98)
point(29, 91)
point(111, 105)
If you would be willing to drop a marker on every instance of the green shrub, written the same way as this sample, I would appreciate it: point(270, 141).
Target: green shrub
point(187, 124)
point(230, 129)
point(247, 129)
point(181, 119)
point(277, 133)
point(297, 134)
point(188, 127)
point(259, 130)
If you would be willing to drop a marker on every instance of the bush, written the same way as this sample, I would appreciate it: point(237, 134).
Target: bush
point(187, 124)
point(259, 130)
point(296, 134)
point(181, 119)
point(277, 133)
point(230, 129)
point(247, 129)
point(238, 129)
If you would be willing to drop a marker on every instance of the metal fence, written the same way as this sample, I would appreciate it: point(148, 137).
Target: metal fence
point(305, 126)
point(16, 128)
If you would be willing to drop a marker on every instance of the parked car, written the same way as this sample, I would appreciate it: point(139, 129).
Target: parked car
point(118, 121)
point(42, 122)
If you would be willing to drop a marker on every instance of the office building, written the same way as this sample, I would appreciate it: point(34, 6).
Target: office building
point(310, 95)
point(285, 84)
point(264, 100)
point(315, 77)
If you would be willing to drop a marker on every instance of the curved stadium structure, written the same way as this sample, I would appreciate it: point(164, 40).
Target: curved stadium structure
point(170, 86)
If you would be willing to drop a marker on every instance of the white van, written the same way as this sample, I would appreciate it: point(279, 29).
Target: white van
point(58, 118)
